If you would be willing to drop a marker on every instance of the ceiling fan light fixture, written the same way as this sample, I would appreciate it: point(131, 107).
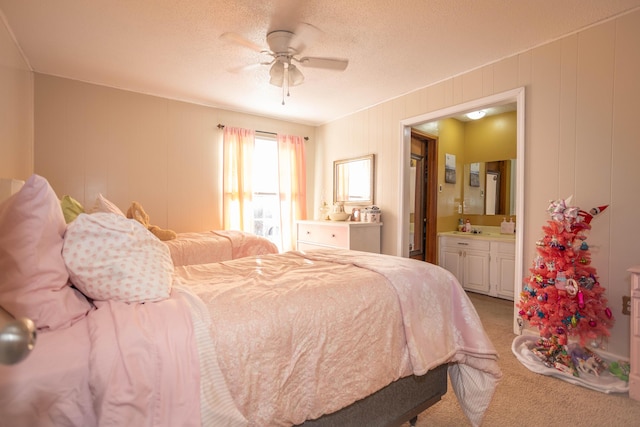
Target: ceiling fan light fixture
point(277, 75)
point(295, 76)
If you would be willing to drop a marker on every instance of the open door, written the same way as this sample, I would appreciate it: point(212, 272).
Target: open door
point(423, 195)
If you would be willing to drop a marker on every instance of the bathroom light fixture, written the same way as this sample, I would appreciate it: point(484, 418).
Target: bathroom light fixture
point(475, 115)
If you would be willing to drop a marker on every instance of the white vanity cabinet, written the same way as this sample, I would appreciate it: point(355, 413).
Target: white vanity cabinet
point(468, 260)
point(479, 263)
point(502, 269)
point(358, 236)
point(634, 357)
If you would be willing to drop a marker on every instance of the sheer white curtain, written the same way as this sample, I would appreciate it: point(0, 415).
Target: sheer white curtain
point(292, 177)
point(237, 178)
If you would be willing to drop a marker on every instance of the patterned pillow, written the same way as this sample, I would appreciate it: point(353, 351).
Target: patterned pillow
point(110, 257)
point(102, 204)
point(34, 281)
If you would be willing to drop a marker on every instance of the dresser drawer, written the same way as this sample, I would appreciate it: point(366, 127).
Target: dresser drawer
point(330, 235)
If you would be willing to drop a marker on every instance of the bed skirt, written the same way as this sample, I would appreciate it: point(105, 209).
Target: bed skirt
point(397, 403)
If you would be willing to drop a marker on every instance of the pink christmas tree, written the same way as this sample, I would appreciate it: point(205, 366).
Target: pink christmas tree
point(563, 297)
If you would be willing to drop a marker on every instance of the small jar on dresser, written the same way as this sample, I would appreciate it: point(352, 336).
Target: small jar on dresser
point(357, 236)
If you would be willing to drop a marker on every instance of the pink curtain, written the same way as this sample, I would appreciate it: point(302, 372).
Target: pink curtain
point(293, 187)
point(238, 193)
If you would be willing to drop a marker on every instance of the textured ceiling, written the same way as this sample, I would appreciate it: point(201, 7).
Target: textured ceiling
point(172, 48)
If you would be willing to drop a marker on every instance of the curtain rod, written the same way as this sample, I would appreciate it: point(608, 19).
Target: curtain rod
point(221, 126)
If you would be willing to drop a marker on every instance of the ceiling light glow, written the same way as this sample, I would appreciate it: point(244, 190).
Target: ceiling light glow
point(475, 115)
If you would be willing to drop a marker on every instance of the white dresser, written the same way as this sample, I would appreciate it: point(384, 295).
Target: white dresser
point(634, 357)
point(357, 236)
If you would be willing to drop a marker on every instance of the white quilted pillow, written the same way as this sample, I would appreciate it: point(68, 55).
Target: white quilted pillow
point(110, 257)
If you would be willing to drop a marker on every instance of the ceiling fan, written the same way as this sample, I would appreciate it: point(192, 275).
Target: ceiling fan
point(285, 48)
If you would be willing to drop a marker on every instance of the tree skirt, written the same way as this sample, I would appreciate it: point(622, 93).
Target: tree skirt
point(605, 382)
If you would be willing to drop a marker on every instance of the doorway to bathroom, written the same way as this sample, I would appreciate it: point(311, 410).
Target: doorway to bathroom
point(423, 192)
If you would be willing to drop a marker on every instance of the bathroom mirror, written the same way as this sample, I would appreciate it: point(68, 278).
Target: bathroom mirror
point(489, 188)
point(353, 180)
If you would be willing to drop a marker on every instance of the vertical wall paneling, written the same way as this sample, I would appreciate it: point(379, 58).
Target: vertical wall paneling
point(567, 116)
point(16, 110)
point(524, 68)
point(505, 74)
point(472, 85)
point(596, 58)
point(414, 103)
point(435, 97)
point(545, 146)
point(449, 90)
point(596, 48)
point(624, 227)
point(458, 91)
point(487, 80)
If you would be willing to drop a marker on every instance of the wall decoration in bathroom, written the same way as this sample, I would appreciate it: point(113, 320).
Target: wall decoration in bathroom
point(450, 168)
point(474, 175)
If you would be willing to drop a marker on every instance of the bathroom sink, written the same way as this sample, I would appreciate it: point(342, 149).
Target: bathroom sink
point(484, 234)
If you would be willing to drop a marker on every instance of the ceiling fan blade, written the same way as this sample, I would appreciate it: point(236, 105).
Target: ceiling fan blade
point(304, 35)
point(338, 64)
point(242, 68)
point(242, 41)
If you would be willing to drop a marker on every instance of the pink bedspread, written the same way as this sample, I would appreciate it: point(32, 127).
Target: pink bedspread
point(215, 246)
point(122, 365)
point(144, 364)
point(284, 363)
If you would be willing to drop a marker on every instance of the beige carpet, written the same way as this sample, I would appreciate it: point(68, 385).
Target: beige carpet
point(524, 398)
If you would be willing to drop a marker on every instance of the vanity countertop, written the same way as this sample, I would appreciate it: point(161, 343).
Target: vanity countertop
point(484, 235)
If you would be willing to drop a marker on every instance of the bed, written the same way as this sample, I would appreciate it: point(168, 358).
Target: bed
point(217, 245)
point(322, 338)
point(186, 248)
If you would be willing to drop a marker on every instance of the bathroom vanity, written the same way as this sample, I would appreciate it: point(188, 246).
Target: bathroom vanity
point(482, 263)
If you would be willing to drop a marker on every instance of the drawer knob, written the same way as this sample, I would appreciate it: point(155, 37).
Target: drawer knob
point(333, 235)
point(308, 232)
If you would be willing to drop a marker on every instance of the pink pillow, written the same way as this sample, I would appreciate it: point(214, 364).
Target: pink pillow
point(102, 204)
point(110, 257)
point(34, 280)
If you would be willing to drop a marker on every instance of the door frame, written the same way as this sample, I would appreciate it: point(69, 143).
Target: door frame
point(514, 95)
point(430, 189)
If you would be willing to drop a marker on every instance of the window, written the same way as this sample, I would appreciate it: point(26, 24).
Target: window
point(266, 206)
